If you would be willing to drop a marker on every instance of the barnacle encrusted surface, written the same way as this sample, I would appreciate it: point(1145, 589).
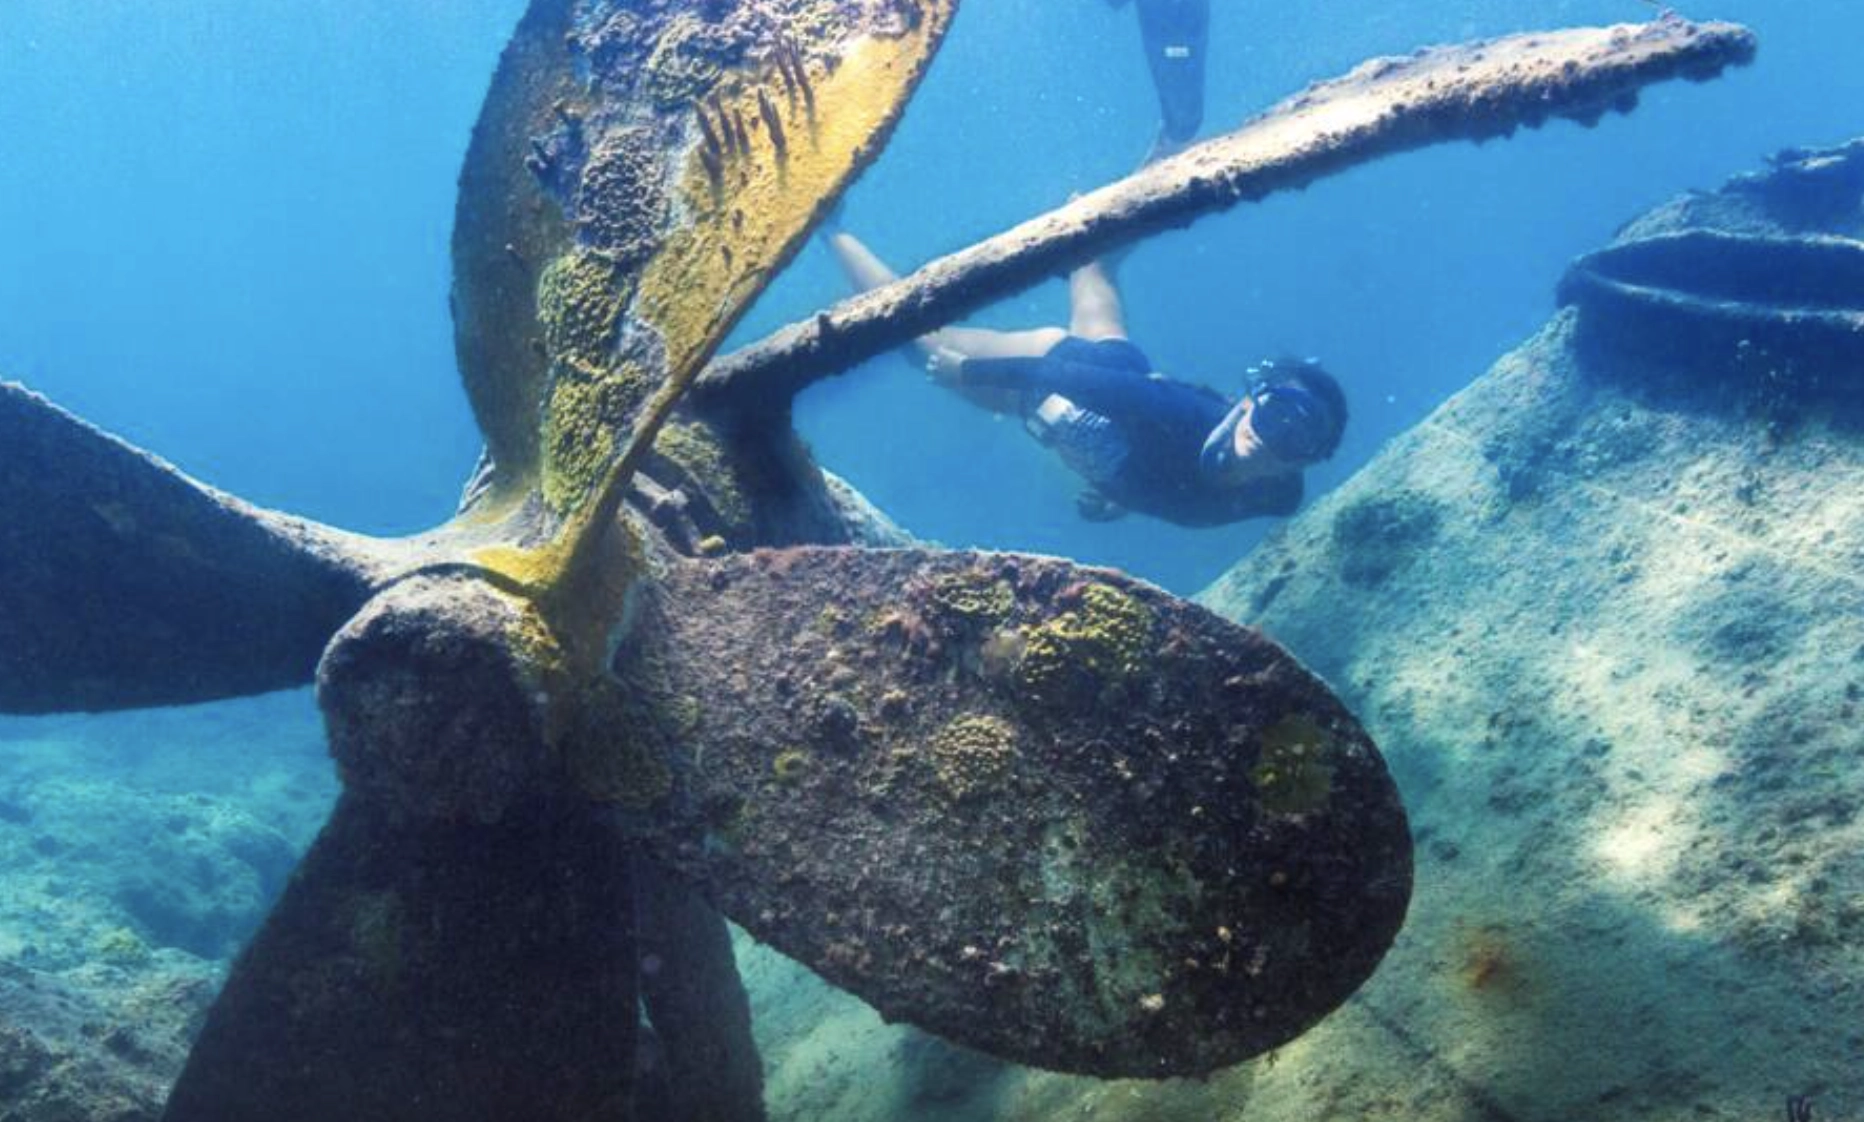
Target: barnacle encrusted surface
point(1128, 868)
point(616, 750)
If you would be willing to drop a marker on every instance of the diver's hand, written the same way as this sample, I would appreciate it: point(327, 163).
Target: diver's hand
point(945, 365)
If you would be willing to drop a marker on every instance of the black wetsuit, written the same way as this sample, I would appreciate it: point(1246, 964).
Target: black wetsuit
point(1135, 436)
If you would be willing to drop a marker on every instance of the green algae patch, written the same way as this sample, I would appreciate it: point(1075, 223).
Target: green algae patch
point(973, 755)
point(593, 392)
point(790, 766)
point(122, 947)
point(536, 645)
point(579, 441)
point(1099, 644)
point(1376, 538)
point(696, 452)
point(1292, 775)
point(580, 298)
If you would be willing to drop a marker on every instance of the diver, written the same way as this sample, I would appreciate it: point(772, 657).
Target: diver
point(1175, 33)
point(1140, 441)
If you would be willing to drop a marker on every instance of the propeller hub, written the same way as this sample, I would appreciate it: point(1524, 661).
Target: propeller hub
point(434, 705)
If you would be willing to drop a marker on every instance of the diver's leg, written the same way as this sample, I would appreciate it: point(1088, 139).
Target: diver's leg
point(1094, 303)
point(946, 349)
point(866, 271)
point(1176, 33)
point(982, 342)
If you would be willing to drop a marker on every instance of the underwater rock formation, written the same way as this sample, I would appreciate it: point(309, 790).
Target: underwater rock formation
point(105, 1050)
point(1620, 684)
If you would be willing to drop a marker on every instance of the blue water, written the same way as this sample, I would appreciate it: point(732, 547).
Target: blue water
point(223, 234)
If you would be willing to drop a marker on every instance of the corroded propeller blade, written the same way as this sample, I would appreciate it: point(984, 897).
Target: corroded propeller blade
point(638, 174)
point(420, 971)
point(1047, 811)
point(124, 583)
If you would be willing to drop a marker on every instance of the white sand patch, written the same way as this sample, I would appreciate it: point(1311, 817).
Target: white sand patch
point(1642, 847)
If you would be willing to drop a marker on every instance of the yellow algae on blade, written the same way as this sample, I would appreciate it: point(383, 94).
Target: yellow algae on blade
point(742, 232)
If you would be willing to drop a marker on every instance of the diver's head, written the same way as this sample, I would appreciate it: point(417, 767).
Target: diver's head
point(1292, 415)
point(1297, 410)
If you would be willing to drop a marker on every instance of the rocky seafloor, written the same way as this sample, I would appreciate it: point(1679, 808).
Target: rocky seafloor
point(1603, 613)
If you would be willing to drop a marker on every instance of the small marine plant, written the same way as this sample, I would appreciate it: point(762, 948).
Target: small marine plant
point(1489, 962)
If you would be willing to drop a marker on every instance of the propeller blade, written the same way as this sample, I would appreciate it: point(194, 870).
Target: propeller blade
point(696, 1003)
point(124, 583)
point(1047, 811)
point(638, 174)
point(439, 971)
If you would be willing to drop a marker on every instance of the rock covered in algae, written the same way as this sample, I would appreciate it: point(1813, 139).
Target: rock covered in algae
point(1620, 685)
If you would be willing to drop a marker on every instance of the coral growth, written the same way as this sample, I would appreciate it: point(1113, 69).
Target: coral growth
point(687, 62)
point(790, 766)
point(973, 755)
point(971, 598)
point(1097, 645)
point(621, 204)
